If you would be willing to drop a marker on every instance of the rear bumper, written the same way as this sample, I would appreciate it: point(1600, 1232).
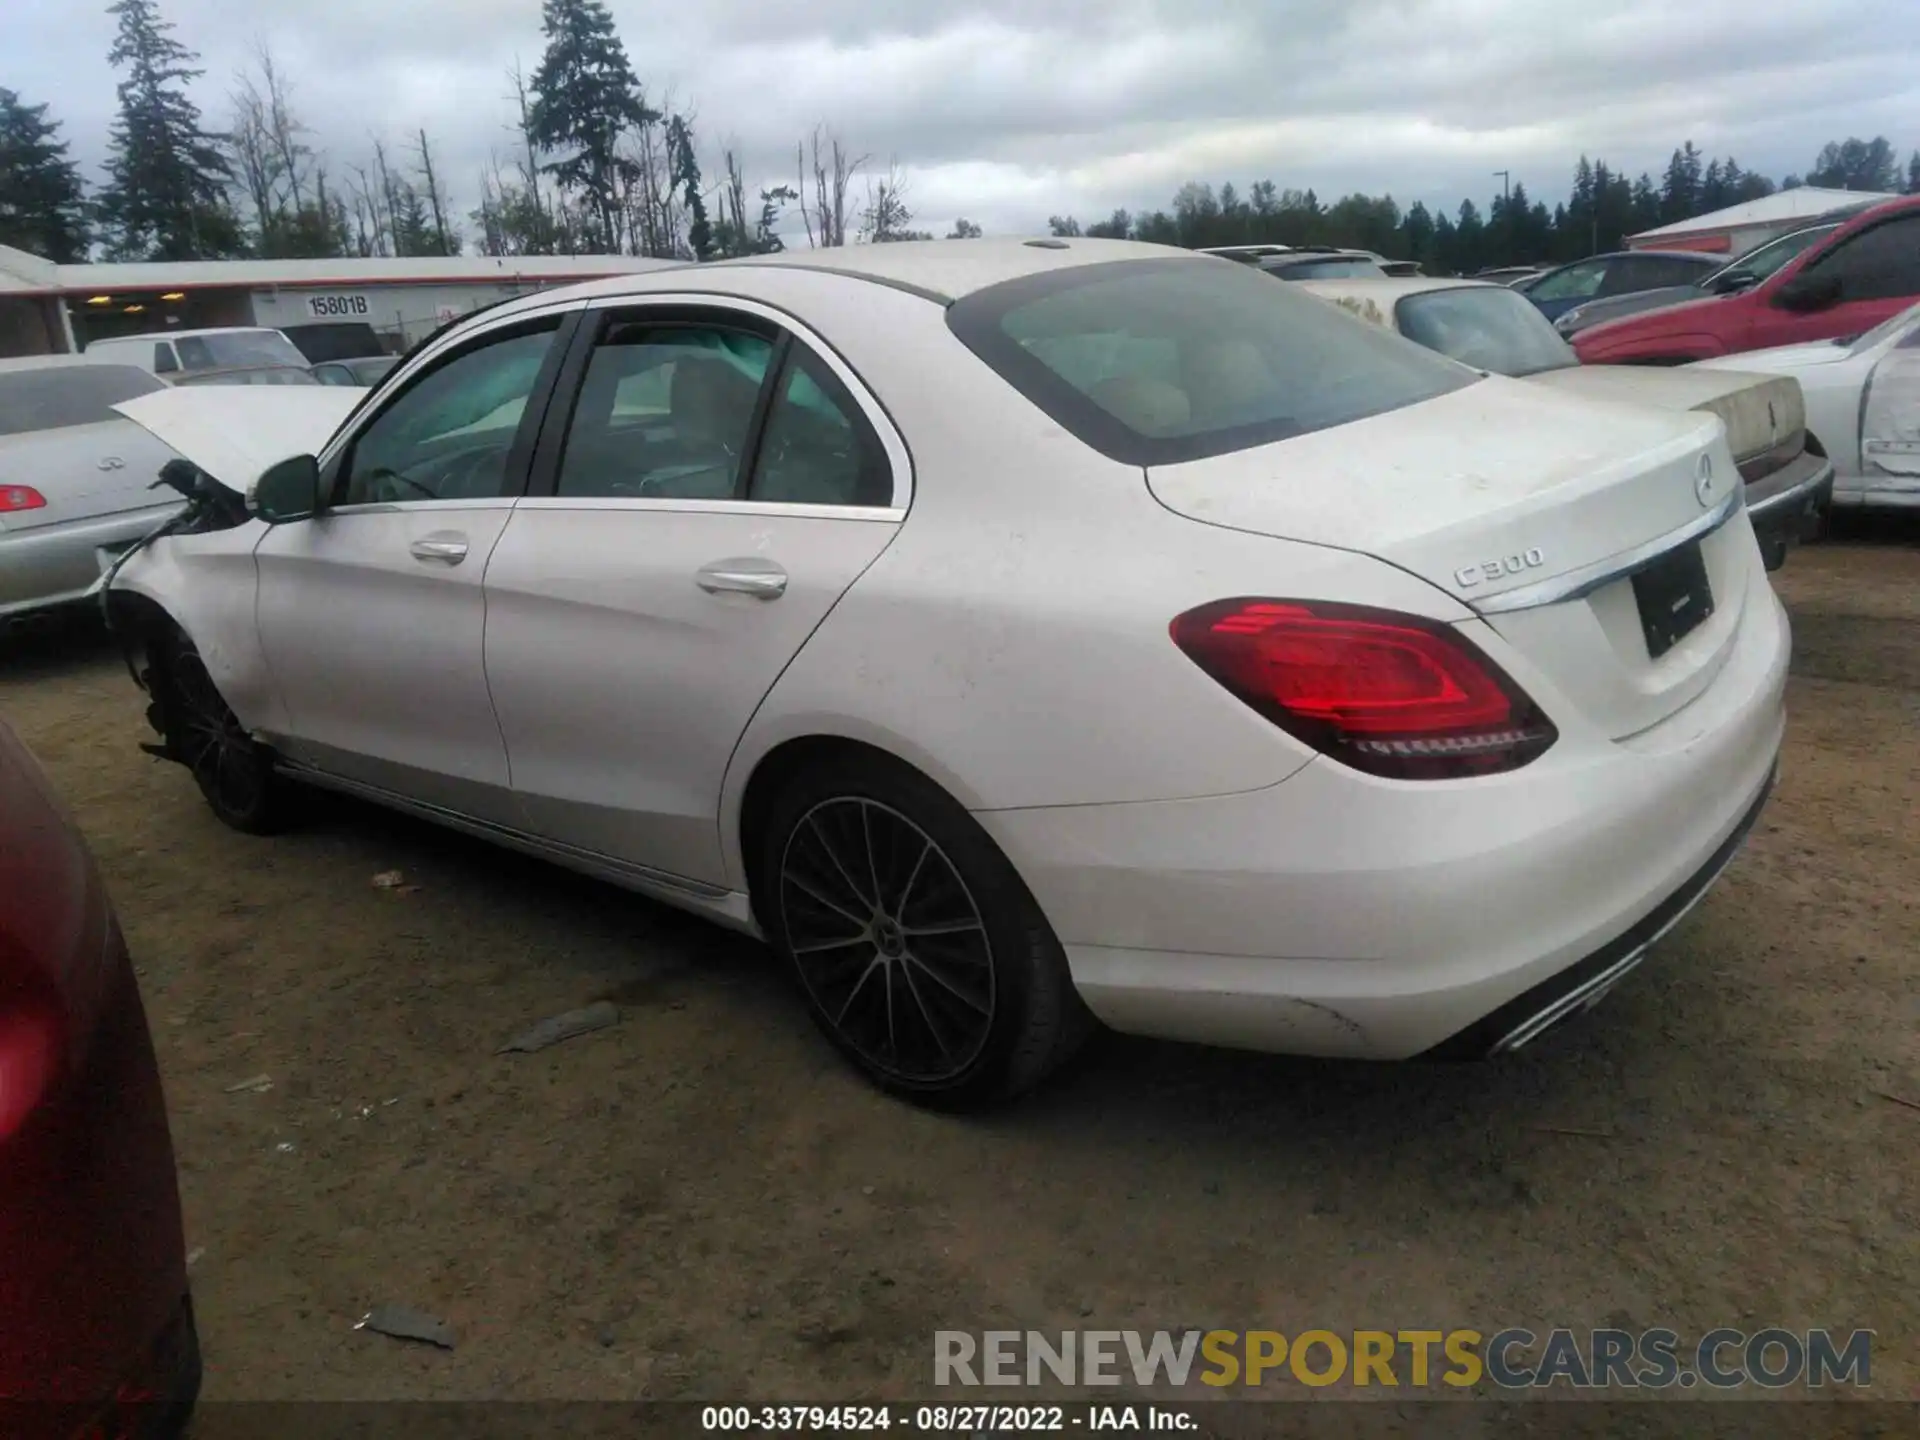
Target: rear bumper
point(1336, 915)
point(1788, 503)
point(58, 565)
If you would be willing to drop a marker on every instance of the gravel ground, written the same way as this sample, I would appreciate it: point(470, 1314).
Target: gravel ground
point(703, 1202)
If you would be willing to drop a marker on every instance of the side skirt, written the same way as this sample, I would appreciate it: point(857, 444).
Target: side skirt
point(730, 908)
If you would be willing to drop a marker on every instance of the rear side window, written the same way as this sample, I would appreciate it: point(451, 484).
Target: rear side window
point(1156, 362)
point(67, 395)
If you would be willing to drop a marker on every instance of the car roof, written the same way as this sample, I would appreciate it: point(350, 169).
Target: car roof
point(148, 337)
point(44, 362)
point(942, 271)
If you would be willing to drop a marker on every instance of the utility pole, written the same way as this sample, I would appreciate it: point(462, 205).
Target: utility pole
point(1506, 186)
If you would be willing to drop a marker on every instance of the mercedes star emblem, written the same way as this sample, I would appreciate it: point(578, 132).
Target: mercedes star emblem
point(1703, 487)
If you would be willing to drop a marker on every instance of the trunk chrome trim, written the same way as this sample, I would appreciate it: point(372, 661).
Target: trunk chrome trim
point(1577, 584)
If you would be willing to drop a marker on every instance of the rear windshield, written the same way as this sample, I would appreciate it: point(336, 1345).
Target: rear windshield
point(1155, 362)
point(1340, 267)
point(66, 395)
point(240, 347)
point(1485, 326)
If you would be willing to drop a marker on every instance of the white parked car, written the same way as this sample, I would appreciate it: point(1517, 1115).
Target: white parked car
point(76, 480)
point(173, 354)
point(1493, 328)
point(1863, 407)
point(1009, 632)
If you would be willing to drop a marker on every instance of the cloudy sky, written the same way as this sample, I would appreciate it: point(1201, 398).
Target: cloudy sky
point(1007, 111)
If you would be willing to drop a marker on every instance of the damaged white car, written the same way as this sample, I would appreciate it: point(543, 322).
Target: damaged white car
point(1788, 478)
point(1863, 406)
point(1013, 633)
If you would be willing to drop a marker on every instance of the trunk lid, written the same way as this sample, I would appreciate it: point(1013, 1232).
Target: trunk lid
point(235, 432)
point(1499, 489)
point(1761, 412)
point(84, 471)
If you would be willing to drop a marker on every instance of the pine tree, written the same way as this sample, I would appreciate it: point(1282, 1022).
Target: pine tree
point(43, 207)
point(684, 165)
point(166, 196)
point(1680, 195)
point(585, 98)
point(1913, 173)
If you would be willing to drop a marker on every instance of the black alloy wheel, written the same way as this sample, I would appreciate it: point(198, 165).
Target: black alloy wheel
point(232, 770)
point(924, 957)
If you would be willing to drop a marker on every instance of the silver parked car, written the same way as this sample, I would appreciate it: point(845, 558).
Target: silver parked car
point(76, 479)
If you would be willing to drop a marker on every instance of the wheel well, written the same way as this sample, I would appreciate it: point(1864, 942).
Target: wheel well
point(137, 623)
point(776, 768)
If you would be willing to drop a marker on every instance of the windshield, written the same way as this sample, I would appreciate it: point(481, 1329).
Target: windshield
point(1763, 260)
point(1486, 326)
point(236, 348)
point(64, 395)
point(1908, 318)
point(1155, 362)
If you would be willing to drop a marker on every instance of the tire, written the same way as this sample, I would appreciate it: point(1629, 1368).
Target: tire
point(952, 992)
point(234, 772)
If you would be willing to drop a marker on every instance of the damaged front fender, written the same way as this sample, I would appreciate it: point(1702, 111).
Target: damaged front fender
point(196, 576)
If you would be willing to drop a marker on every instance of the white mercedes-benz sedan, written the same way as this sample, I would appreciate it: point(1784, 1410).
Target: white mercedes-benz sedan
point(1014, 634)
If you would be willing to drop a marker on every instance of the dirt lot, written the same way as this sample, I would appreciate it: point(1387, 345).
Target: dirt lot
point(704, 1202)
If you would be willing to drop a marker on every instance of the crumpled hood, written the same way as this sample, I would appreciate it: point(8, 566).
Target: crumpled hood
point(234, 432)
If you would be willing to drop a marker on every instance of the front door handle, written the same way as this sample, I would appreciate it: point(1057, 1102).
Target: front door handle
point(761, 578)
point(445, 547)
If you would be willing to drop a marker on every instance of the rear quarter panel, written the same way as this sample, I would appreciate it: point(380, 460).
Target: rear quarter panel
point(1013, 642)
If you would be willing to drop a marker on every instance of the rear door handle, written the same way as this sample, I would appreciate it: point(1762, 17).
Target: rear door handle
point(761, 578)
point(446, 547)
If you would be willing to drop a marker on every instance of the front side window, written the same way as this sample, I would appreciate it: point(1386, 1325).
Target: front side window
point(1488, 327)
point(450, 434)
point(61, 396)
point(818, 449)
point(665, 412)
point(1576, 282)
point(1878, 264)
point(1155, 362)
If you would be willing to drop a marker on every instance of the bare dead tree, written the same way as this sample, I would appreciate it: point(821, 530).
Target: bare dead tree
point(825, 171)
point(250, 142)
point(436, 197)
point(294, 155)
point(368, 229)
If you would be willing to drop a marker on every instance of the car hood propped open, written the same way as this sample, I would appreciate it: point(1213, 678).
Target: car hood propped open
point(235, 432)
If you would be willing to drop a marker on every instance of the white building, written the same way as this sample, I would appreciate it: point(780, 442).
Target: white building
point(326, 306)
point(1737, 229)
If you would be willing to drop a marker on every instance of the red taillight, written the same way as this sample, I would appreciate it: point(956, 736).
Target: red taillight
point(31, 1037)
point(20, 497)
point(1390, 694)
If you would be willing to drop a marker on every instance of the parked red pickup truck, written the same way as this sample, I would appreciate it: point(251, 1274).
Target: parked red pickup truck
point(1865, 272)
